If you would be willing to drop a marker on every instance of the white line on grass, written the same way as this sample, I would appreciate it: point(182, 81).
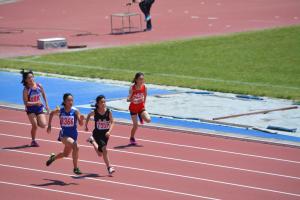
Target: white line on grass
point(180, 145)
point(156, 74)
point(52, 190)
point(173, 159)
point(108, 181)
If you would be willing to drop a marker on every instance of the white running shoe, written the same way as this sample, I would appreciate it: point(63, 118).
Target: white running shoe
point(90, 139)
point(111, 170)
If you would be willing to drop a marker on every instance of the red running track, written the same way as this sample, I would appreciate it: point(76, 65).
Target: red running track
point(30, 20)
point(166, 165)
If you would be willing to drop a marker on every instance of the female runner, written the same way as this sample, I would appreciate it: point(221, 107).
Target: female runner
point(137, 98)
point(32, 97)
point(104, 123)
point(68, 135)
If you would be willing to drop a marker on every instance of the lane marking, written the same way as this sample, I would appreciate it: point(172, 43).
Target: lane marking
point(174, 159)
point(52, 190)
point(108, 181)
point(156, 74)
point(164, 173)
point(180, 145)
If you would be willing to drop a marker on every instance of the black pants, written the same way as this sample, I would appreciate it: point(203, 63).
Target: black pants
point(145, 7)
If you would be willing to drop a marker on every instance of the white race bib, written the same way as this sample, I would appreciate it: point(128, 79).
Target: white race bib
point(67, 121)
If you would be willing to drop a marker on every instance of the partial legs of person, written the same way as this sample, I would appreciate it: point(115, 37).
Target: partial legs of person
point(75, 155)
point(145, 116)
point(41, 120)
point(145, 6)
point(110, 169)
point(134, 128)
point(70, 145)
point(34, 126)
point(95, 145)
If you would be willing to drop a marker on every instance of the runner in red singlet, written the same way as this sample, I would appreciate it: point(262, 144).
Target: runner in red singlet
point(137, 98)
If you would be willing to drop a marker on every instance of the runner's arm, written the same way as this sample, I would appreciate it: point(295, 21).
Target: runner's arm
point(88, 119)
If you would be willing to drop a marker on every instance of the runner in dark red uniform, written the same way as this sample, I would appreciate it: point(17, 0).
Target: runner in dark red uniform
point(137, 98)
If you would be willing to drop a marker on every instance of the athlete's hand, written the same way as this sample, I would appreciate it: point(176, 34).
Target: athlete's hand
point(39, 103)
point(49, 129)
point(107, 134)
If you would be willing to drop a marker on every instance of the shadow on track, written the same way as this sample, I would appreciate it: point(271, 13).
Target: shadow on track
point(18, 147)
point(127, 146)
point(53, 182)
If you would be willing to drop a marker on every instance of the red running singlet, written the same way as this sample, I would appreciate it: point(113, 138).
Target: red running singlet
point(137, 104)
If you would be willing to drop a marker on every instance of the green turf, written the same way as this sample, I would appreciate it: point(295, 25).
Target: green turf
point(265, 63)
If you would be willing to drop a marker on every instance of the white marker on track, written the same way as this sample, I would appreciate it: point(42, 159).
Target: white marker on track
point(195, 17)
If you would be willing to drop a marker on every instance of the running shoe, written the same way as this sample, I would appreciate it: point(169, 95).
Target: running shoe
point(111, 170)
point(148, 18)
point(132, 141)
point(77, 171)
point(147, 29)
point(51, 159)
point(90, 139)
point(34, 144)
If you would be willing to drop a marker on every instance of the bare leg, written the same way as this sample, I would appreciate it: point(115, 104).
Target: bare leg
point(33, 120)
point(105, 157)
point(41, 120)
point(75, 155)
point(67, 149)
point(146, 117)
point(95, 145)
point(135, 125)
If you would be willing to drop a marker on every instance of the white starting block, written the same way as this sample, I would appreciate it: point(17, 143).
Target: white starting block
point(51, 43)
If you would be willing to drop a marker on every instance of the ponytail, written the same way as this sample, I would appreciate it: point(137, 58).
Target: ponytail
point(25, 75)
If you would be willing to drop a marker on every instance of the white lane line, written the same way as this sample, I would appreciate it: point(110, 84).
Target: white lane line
point(156, 74)
point(52, 190)
point(174, 159)
point(113, 182)
point(170, 174)
point(180, 145)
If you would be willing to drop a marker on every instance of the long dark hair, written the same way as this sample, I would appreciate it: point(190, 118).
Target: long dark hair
point(137, 75)
point(25, 75)
point(99, 98)
point(66, 95)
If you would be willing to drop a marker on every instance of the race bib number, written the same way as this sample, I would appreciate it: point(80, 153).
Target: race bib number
point(34, 98)
point(67, 121)
point(138, 98)
point(102, 125)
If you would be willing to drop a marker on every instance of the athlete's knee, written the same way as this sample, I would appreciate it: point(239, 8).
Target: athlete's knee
point(135, 125)
point(148, 119)
point(42, 125)
point(34, 126)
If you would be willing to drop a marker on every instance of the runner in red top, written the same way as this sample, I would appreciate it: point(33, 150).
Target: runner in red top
point(137, 98)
